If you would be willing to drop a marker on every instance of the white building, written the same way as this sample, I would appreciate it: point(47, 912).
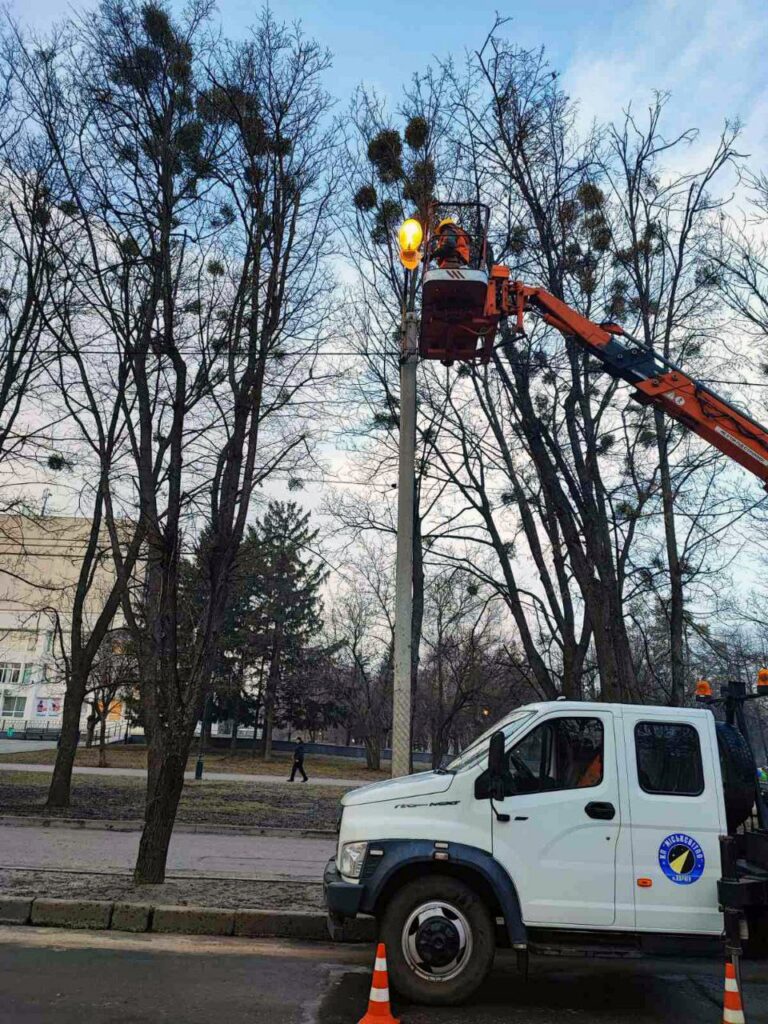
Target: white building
point(40, 560)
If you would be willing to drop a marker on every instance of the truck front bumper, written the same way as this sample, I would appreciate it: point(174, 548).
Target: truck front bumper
point(342, 898)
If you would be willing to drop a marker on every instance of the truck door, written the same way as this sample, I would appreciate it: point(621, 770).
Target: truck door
point(559, 846)
point(674, 814)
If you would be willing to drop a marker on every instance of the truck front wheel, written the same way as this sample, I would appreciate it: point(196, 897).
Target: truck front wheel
point(440, 939)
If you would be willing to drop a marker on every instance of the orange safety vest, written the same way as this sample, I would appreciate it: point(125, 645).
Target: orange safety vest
point(460, 239)
point(593, 773)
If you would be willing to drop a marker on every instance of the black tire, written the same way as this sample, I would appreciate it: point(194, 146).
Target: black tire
point(739, 774)
point(468, 970)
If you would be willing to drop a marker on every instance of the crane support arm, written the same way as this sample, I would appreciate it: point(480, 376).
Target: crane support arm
point(657, 381)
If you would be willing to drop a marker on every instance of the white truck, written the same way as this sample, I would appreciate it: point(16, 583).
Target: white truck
point(568, 824)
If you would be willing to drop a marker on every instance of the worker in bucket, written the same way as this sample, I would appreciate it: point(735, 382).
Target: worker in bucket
point(451, 245)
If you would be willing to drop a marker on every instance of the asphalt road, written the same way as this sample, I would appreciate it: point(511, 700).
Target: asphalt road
point(71, 977)
point(200, 854)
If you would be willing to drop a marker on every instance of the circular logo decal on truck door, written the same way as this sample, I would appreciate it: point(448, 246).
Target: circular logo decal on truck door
point(681, 859)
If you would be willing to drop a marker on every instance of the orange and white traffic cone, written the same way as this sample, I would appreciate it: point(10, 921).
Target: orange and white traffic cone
point(379, 1010)
point(733, 1011)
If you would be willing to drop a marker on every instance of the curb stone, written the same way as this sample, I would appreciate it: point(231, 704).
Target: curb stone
point(193, 920)
point(183, 920)
point(15, 910)
point(131, 917)
point(278, 924)
point(72, 913)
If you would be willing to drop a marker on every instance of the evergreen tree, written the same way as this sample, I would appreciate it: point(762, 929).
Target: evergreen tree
point(277, 608)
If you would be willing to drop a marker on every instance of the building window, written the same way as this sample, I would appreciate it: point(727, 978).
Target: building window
point(10, 673)
point(669, 759)
point(13, 706)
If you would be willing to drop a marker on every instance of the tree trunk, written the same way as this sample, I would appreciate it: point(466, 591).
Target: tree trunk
point(89, 731)
point(612, 649)
point(165, 781)
point(103, 738)
point(269, 723)
point(676, 614)
point(235, 729)
point(255, 743)
point(60, 790)
point(270, 696)
point(439, 748)
point(373, 752)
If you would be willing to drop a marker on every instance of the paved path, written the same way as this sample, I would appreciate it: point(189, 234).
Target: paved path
point(51, 975)
point(140, 773)
point(16, 746)
point(230, 856)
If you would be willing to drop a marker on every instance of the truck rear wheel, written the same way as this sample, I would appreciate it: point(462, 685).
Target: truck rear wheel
point(440, 939)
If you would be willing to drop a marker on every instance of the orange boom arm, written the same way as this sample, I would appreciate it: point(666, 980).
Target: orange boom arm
point(656, 380)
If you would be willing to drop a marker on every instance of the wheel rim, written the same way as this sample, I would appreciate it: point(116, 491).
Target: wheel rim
point(437, 941)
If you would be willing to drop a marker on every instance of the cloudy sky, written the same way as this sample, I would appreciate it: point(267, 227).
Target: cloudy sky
point(710, 54)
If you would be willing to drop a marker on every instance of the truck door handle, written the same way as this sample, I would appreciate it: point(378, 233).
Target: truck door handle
point(601, 811)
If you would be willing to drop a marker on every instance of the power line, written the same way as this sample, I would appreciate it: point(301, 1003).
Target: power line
point(279, 357)
point(738, 383)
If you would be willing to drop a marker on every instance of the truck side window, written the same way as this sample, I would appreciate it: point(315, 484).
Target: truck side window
point(669, 759)
point(563, 753)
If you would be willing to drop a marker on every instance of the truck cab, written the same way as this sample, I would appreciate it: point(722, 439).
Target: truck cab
point(567, 822)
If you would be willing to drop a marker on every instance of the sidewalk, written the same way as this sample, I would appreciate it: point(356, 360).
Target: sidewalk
point(140, 773)
point(191, 855)
point(19, 746)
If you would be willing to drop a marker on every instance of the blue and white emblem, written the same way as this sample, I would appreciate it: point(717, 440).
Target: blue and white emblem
point(681, 859)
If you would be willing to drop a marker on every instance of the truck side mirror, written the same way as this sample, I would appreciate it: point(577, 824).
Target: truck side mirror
point(496, 756)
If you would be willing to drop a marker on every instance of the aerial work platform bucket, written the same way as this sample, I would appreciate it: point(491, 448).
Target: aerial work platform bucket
point(461, 298)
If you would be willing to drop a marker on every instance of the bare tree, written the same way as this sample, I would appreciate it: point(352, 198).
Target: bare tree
point(30, 239)
point(458, 633)
point(362, 621)
point(660, 231)
point(257, 308)
point(112, 675)
point(200, 179)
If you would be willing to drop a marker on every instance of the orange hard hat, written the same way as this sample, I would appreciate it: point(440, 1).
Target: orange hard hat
point(444, 222)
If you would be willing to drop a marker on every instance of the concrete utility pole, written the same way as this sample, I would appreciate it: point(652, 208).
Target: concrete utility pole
point(401, 714)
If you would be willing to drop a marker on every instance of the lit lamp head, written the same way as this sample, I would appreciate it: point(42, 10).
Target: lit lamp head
point(703, 690)
point(762, 682)
point(410, 237)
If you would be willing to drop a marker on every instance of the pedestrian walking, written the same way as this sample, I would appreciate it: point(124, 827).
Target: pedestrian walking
point(298, 761)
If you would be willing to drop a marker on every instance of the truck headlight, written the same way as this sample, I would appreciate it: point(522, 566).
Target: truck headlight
point(352, 857)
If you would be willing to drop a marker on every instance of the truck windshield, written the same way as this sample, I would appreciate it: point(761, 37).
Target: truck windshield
point(476, 751)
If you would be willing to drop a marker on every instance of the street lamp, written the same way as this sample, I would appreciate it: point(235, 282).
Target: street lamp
point(410, 237)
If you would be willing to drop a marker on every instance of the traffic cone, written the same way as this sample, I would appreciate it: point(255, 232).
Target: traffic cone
point(379, 1010)
point(733, 1012)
